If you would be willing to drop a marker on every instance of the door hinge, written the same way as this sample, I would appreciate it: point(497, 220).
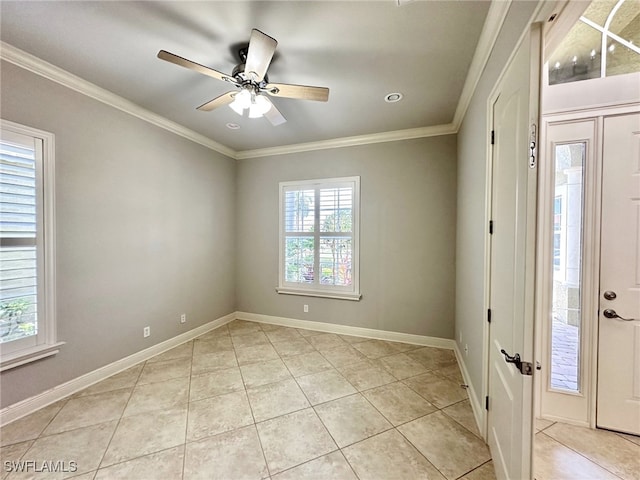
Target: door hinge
point(489, 315)
point(493, 137)
point(490, 227)
point(486, 402)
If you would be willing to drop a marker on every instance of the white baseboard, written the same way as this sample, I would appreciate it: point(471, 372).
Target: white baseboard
point(479, 411)
point(570, 421)
point(30, 405)
point(348, 330)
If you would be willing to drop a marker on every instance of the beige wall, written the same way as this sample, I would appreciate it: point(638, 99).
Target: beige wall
point(147, 229)
point(151, 225)
point(145, 226)
point(407, 259)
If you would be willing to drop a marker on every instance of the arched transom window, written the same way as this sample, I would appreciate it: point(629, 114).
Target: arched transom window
point(604, 42)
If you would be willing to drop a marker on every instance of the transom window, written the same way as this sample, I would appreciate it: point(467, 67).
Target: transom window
point(319, 228)
point(603, 43)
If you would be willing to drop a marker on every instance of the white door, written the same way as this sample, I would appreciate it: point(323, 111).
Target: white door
point(513, 207)
point(619, 341)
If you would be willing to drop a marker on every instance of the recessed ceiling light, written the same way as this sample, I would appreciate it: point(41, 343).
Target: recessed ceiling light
point(393, 97)
point(233, 126)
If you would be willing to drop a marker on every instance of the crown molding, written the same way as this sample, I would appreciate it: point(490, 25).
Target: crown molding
point(40, 67)
point(392, 136)
point(492, 25)
point(491, 29)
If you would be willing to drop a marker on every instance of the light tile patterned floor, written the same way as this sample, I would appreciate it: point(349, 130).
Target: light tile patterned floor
point(568, 452)
point(258, 401)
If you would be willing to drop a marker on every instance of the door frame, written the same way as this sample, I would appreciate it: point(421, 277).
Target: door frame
point(556, 19)
point(583, 401)
point(573, 109)
point(591, 250)
point(526, 217)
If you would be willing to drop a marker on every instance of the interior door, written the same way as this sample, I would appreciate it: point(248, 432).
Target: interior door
point(513, 208)
point(619, 315)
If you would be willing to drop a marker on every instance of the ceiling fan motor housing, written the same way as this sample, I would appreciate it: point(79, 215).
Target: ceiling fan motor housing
point(239, 75)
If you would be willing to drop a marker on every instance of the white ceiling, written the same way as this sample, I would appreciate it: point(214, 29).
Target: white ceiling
point(361, 50)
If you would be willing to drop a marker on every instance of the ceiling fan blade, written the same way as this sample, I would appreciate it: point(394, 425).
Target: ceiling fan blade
point(224, 99)
point(183, 62)
point(274, 116)
point(259, 55)
point(304, 92)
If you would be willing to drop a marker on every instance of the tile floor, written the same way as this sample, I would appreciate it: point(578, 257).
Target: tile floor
point(567, 452)
point(259, 401)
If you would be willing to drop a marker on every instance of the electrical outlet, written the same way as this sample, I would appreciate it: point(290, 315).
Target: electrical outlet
point(466, 349)
point(306, 309)
point(146, 331)
point(183, 318)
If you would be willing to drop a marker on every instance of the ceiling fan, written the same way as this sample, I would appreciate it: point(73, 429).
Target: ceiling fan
point(250, 77)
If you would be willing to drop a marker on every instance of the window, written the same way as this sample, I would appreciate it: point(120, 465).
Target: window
point(557, 231)
point(319, 228)
point(568, 214)
point(27, 297)
point(603, 43)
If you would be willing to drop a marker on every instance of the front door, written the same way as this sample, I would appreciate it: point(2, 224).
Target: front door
point(619, 316)
point(513, 208)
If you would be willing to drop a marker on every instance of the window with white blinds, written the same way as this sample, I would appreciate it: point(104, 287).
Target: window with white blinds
point(319, 233)
point(26, 292)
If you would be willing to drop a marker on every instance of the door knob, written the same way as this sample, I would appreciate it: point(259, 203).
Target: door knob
point(611, 313)
point(609, 295)
point(526, 368)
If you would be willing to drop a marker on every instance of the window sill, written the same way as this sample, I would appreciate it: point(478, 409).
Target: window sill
point(314, 293)
point(28, 355)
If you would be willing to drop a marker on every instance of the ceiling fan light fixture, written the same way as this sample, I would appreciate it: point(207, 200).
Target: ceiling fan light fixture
point(259, 106)
point(235, 106)
point(241, 100)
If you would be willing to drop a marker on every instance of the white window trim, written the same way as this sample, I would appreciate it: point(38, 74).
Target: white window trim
point(47, 342)
point(339, 293)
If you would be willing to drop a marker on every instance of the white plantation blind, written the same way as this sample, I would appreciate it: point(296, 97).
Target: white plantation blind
point(27, 245)
point(319, 237)
point(18, 236)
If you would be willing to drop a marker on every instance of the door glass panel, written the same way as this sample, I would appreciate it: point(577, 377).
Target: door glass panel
point(567, 266)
